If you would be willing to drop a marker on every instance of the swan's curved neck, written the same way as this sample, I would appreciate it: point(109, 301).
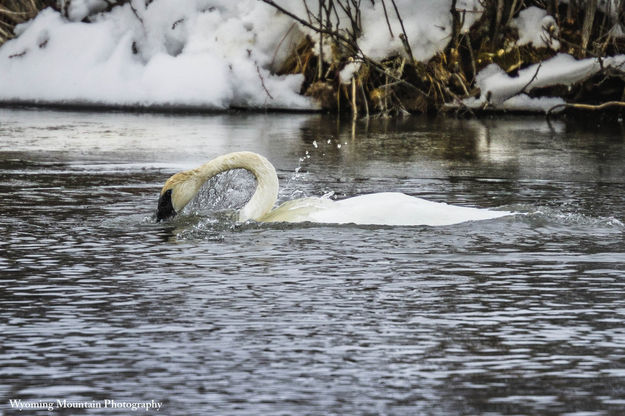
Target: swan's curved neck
point(266, 192)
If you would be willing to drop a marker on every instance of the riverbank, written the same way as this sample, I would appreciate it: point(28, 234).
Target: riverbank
point(383, 58)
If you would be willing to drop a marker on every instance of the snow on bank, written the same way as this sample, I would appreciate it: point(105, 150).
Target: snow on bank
point(503, 91)
point(428, 26)
point(534, 26)
point(210, 54)
point(218, 54)
point(500, 91)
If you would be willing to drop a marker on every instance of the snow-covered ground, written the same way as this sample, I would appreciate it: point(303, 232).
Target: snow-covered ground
point(210, 54)
point(192, 53)
point(502, 91)
point(218, 54)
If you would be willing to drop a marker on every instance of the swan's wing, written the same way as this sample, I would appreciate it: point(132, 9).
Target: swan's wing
point(386, 208)
point(392, 208)
point(297, 210)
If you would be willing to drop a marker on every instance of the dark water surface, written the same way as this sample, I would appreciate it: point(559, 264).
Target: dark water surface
point(519, 315)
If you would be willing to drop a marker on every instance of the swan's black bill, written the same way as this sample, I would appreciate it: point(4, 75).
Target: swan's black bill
point(165, 208)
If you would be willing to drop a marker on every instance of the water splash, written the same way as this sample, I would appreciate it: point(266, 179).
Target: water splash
point(228, 191)
point(557, 220)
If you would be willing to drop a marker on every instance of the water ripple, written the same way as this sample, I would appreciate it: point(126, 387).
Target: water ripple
point(519, 315)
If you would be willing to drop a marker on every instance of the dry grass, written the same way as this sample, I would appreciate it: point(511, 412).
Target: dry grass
point(400, 84)
point(14, 12)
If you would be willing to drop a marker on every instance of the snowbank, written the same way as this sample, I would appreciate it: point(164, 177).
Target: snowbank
point(208, 54)
point(503, 91)
point(211, 54)
point(427, 25)
point(535, 26)
point(218, 54)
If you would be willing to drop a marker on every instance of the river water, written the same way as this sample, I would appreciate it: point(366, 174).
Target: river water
point(518, 315)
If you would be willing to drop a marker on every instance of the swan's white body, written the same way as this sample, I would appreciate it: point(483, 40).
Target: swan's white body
point(387, 208)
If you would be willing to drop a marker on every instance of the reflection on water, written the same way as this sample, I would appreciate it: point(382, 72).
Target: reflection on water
point(520, 315)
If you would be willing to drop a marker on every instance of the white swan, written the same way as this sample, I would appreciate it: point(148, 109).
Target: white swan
point(387, 208)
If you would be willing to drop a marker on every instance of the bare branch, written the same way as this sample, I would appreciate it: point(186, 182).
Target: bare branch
point(405, 36)
point(587, 106)
point(387, 21)
point(531, 80)
point(352, 45)
point(262, 81)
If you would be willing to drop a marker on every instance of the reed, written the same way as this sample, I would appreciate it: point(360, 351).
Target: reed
point(401, 84)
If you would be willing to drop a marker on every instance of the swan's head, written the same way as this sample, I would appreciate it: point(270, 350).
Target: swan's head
point(165, 208)
point(177, 192)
